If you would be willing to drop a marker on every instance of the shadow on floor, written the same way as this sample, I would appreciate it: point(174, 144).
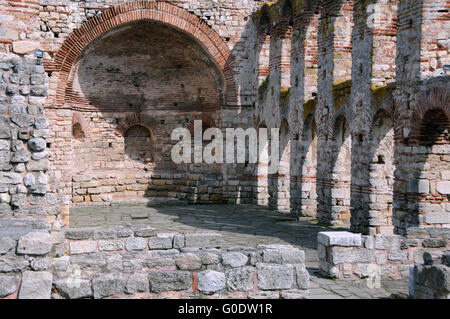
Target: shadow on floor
point(246, 225)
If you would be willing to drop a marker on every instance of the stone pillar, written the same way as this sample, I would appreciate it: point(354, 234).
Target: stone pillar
point(419, 56)
point(431, 279)
point(373, 40)
point(335, 62)
point(434, 36)
point(303, 85)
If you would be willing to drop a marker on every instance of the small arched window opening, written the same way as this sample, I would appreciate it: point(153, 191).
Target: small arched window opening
point(77, 131)
point(434, 128)
point(138, 144)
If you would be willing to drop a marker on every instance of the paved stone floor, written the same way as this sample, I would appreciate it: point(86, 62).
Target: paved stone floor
point(240, 225)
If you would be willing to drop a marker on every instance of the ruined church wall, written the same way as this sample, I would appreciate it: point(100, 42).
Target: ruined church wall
point(380, 74)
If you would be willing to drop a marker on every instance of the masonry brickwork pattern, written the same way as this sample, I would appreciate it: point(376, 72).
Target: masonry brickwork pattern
point(90, 92)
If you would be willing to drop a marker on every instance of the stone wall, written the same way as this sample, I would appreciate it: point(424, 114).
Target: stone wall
point(138, 262)
point(25, 160)
point(362, 65)
point(347, 255)
point(88, 121)
point(430, 280)
point(365, 133)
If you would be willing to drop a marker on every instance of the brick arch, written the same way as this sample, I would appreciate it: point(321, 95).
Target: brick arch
point(78, 119)
point(436, 98)
point(344, 112)
point(162, 12)
point(392, 111)
point(208, 121)
point(137, 119)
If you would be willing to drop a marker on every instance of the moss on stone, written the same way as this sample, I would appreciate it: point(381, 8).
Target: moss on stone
point(309, 107)
point(284, 94)
point(381, 93)
point(341, 91)
point(263, 88)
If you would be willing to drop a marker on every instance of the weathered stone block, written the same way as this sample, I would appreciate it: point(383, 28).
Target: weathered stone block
point(39, 90)
point(5, 131)
point(40, 264)
point(41, 123)
point(82, 247)
point(80, 233)
point(144, 231)
point(161, 281)
point(364, 270)
point(274, 277)
point(105, 285)
point(159, 262)
point(437, 218)
point(302, 276)
point(135, 244)
point(436, 277)
point(446, 258)
point(432, 257)
point(434, 243)
point(10, 178)
point(37, 144)
point(21, 157)
point(211, 259)
point(352, 256)
point(25, 46)
point(137, 283)
point(6, 244)
point(37, 166)
point(423, 186)
point(160, 242)
point(210, 281)
point(234, 259)
point(13, 263)
point(36, 285)
point(344, 239)
point(18, 200)
point(240, 279)
point(188, 261)
point(5, 157)
point(178, 241)
point(443, 187)
point(22, 120)
point(123, 232)
point(294, 294)
point(397, 255)
point(110, 245)
point(105, 233)
point(4, 145)
point(36, 243)
point(203, 240)
point(8, 284)
point(73, 287)
point(283, 254)
point(390, 242)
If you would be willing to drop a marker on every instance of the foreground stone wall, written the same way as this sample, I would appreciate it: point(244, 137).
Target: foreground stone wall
point(368, 72)
point(349, 256)
point(430, 280)
point(137, 262)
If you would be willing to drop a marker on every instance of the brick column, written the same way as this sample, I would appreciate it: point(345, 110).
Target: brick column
point(334, 59)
